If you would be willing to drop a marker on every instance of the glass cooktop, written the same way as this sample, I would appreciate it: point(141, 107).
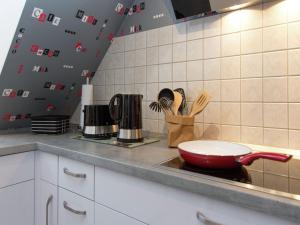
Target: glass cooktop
point(264, 175)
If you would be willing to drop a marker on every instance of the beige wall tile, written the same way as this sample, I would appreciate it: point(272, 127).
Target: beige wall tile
point(140, 57)
point(179, 71)
point(179, 32)
point(251, 65)
point(294, 140)
point(212, 131)
point(165, 54)
point(231, 133)
point(257, 178)
point(152, 56)
point(275, 63)
point(195, 49)
point(140, 40)
point(294, 186)
point(294, 168)
point(119, 76)
point(276, 137)
point(294, 62)
point(198, 129)
point(212, 47)
point(130, 59)
point(294, 35)
point(231, 44)
point(294, 89)
point(212, 26)
point(274, 13)
point(213, 88)
point(251, 17)
point(212, 113)
point(251, 41)
point(275, 182)
point(165, 35)
point(275, 89)
point(129, 75)
point(165, 72)
point(231, 22)
point(252, 135)
point(179, 52)
point(231, 67)
point(276, 168)
point(251, 90)
point(130, 42)
point(195, 29)
point(294, 118)
point(195, 70)
point(152, 38)
point(252, 114)
point(193, 89)
point(293, 10)
point(230, 90)
point(212, 69)
point(276, 115)
point(231, 113)
point(275, 38)
point(152, 74)
point(140, 74)
point(118, 45)
point(152, 91)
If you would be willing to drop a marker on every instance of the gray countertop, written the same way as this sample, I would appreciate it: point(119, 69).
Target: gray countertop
point(144, 162)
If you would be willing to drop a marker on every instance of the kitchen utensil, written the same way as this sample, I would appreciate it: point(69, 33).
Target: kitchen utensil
point(223, 155)
point(155, 106)
point(183, 106)
point(199, 104)
point(166, 105)
point(98, 123)
point(177, 102)
point(87, 98)
point(167, 93)
point(127, 111)
point(50, 124)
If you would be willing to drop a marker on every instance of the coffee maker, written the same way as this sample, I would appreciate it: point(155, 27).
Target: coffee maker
point(127, 111)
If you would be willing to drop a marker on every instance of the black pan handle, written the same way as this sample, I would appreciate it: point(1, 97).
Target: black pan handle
point(115, 111)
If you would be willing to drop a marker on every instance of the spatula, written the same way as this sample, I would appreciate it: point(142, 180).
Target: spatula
point(177, 102)
point(199, 104)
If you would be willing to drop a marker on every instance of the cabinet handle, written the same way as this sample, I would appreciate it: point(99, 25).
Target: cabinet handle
point(49, 200)
point(77, 175)
point(203, 219)
point(77, 212)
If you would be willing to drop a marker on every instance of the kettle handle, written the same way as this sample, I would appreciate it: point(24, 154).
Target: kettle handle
point(116, 111)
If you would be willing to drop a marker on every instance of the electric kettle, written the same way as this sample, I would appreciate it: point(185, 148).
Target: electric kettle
point(127, 111)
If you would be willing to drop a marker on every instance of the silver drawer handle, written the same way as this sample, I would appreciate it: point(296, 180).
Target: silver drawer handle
point(203, 219)
point(77, 212)
point(49, 200)
point(77, 175)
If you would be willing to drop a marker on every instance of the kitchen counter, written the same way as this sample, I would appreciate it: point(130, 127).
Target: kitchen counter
point(145, 162)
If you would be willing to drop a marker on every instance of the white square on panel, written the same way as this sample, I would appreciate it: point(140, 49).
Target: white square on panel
point(56, 21)
point(52, 87)
point(37, 12)
point(6, 92)
point(25, 94)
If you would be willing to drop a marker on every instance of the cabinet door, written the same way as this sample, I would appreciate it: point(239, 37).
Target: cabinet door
point(46, 203)
point(106, 216)
point(74, 209)
point(17, 204)
point(47, 167)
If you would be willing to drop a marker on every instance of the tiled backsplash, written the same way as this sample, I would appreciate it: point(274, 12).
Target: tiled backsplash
point(248, 60)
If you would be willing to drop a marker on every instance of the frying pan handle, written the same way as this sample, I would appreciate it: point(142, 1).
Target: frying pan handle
point(115, 111)
point(247, 160)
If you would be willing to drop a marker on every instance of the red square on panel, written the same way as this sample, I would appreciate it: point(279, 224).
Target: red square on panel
point(34, 48)
point(42, 17)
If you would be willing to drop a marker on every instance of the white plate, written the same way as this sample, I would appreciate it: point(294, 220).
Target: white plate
point(214, 148)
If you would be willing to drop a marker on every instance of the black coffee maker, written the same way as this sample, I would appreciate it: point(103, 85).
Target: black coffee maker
point(127, 111)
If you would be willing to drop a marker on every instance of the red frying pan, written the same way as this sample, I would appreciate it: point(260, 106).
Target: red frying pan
point(223, 155)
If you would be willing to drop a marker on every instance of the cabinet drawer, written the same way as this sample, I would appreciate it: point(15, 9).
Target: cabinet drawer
point(16, 168)
point(47, 167)
point(74, 209)
point(106, 216)
point(77, 177)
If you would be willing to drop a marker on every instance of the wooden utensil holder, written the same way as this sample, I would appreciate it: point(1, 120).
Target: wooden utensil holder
point(180, 129)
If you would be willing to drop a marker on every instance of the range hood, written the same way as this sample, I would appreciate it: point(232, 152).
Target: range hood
point(196, 8)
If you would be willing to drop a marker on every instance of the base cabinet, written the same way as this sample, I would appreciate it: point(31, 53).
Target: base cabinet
point(17, 204)
point(106, 216)
point(46, 203)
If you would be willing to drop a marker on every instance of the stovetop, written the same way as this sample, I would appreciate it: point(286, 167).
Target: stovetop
point(242, 175)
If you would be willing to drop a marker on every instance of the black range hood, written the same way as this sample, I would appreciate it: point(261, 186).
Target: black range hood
point(185, 9)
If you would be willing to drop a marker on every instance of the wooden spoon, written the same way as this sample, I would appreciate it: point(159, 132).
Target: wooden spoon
point(199, 104)
point(177, 102)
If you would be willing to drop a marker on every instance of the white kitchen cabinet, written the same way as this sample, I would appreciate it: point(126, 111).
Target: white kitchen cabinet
point(157, 204)
point(47, 167)
point(74, 209)
point(17, 204)
point(106, 216)
point(16, 168)
point(77, 177)
point(46, 203)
